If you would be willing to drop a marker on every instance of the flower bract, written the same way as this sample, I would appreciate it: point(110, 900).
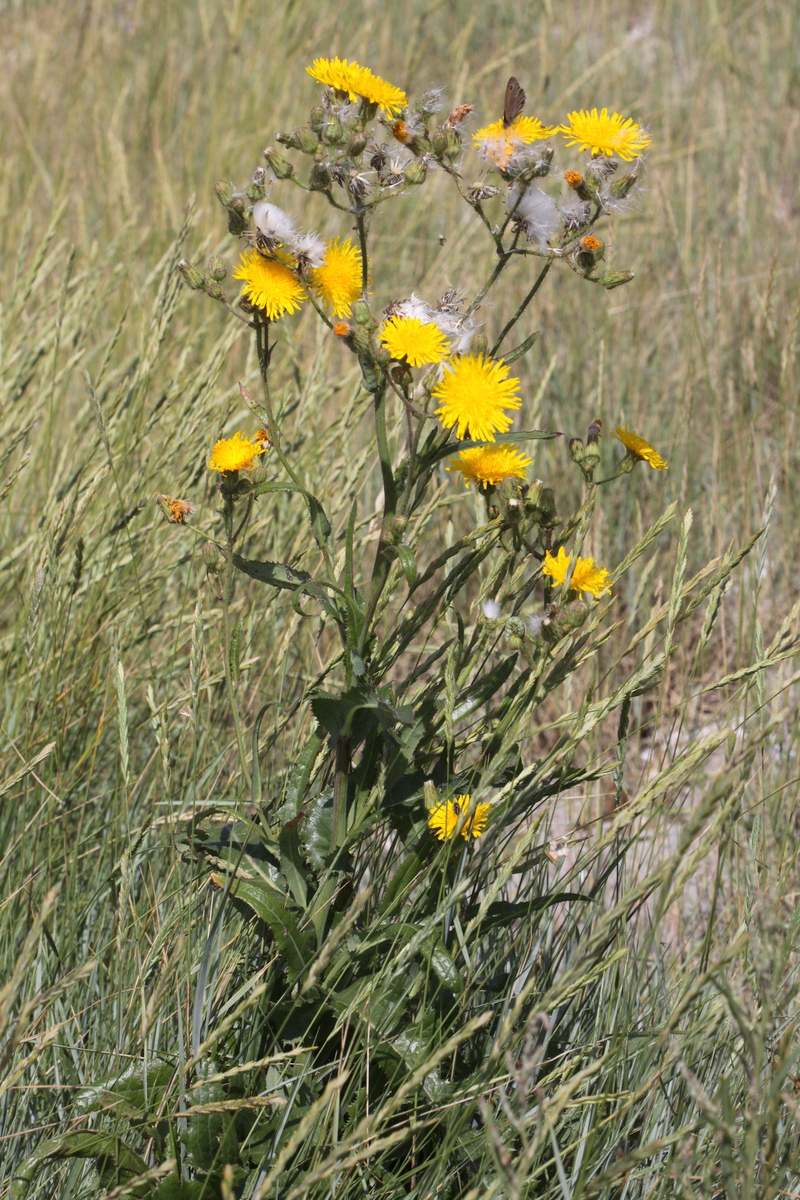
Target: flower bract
point(269, 284)
point(444, 819)
point(359, 83)
point(605, 134)
point(338, 281)
point(418, 342)
point(587, 576)
point(498, 141)
point(490, 464)
point(236, 453)
point(475, 391)
point(639, 448)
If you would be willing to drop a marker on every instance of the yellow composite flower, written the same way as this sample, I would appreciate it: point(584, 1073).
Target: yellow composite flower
point(587, 576)
point(604, 134)
point(444, 818)
point(639, 448)
point(236, 453)
point(490, 464)
point(475, 391)
point(418, 342)
point(338, 281)
point(359, 83)
point(269, 284)
point(498, 141)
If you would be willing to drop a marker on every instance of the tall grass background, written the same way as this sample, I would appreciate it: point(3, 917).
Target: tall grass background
point(117, 119)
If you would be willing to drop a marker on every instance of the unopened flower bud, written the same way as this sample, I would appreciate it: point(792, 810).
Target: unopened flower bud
point(224, 192)
point(212, 556)
point(478, 344)
point(612, 279)
point(216, 268)
point(576, 450)
point(214, 290)
point(317, 118)
point(358, 144)
point(396, 530)
point(416, 171)
point(320, 177)
point(446, 143)
point(193, 277)
point(621, 187)
point(306, 140)
point(515, 631)
point(361, 313)
point(281, 167)
point(333, 133)
point(546, 514)
point(430, 795)
point(237, 216)
point(285, 138)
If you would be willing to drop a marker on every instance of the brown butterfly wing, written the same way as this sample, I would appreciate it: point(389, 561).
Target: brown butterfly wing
point(514, 103)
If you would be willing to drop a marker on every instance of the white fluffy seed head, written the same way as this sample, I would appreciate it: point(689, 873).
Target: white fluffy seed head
point(535, 211)
point(273, 223)
point(309, 249)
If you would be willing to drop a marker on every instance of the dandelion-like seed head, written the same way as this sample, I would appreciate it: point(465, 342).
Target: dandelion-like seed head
point(419, 342)
point(490, 465)
point(337, 281)
point(587, 576)
point(497, 141)
point(475, 391)
point(639, 448)
point(269, 284)
point(237, 453)
point(443, 821)
point(605, 133)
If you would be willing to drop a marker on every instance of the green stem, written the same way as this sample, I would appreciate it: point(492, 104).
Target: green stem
point(362, 239)
point(539, 281)
point(380, 571)
point(227, 594)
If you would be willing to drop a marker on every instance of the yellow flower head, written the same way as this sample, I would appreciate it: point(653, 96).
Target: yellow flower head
point(639, 448)
point(498, 141)
point(604, 134)
point(587, 577)
point(237, 453)
point(418, 342)
point(474, 392)
point(490, 464)
point(269, 284)
point(338, 281)
point(359, 83)
point(444, 818)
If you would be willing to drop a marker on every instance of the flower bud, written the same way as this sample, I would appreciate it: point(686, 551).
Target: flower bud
point(281, 167)
point(214, 290)
point(446, 143)
point(515, 631)
point(195, 279)
point(256, 191)
point(320, 177)
point(361, 313)
point(333, 133)
point(585, 189)
point(396, 530)
point(620, 187)
point(224, 192)
point(563, 621)
point(416, 171)
point(430, 795)
point(612, 279)
point(212, 556)
point(478, 344)
point(576, 450)
point(216, 268)
point(546, 515)
point(358, 144)
point(306, 140)
point(317, 118)
point(237, 216)
point(286, 139)
point(590, 252)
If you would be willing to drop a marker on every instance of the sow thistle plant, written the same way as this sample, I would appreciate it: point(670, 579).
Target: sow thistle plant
point(397, 877)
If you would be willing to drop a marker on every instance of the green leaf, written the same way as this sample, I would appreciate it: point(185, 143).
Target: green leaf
point(521, 349)
point(132, 1093)
point(503, 912)
point(336, 712)
point(265, 903)
point(443, 965)
point(484, 688)
point(408, 562)
point(292, 861)
point(301, 772)
point(113, 1158)
point(275, 574)
point(316, 831)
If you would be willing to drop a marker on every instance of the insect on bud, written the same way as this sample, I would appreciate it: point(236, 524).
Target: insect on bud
point(216, 268)
point(193, 277)
point(281, 166)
